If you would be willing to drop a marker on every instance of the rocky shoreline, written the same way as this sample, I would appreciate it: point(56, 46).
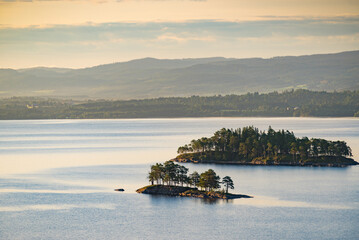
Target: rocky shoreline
point(187, 192)
point(328, 161)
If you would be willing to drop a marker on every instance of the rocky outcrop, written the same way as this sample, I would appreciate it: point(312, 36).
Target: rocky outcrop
point(187, 192)
point(286, 160)
point(212, 195)
point(163, 190)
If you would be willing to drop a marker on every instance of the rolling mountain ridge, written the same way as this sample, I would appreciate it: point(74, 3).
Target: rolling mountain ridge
point(150, 78)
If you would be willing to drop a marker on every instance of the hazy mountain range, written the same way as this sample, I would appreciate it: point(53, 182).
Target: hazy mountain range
point(149, 77)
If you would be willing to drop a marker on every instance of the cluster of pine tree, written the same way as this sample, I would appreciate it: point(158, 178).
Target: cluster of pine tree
point(249, 143)
point(174, 174)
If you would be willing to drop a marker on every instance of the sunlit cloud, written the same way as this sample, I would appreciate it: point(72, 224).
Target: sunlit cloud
point(184, 38)
point(31, 1)
point(41, 12)
point(192, 30)
point(92, 43)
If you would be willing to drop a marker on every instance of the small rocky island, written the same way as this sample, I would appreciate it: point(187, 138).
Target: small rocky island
point(170, 179)
point(188, 192)
point(249, 146)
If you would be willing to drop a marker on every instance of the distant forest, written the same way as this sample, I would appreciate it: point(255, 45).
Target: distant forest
point(294, 103)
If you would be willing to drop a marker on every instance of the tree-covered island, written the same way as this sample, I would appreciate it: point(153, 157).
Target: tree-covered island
point(249, 146)
point(169, 179)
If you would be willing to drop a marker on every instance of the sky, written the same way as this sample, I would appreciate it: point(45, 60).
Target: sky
point(79, 33)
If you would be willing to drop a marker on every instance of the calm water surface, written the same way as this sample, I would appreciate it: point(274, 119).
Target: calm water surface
point(57, 179)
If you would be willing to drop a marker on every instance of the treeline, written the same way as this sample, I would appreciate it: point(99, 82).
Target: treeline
point(298, 103)
point(174, 174)
point(249, 143)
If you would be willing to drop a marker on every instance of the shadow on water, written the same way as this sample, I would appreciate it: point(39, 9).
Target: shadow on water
point(159, 199)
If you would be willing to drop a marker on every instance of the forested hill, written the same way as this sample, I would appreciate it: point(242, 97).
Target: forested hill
point(152, 78)
point(299, 103)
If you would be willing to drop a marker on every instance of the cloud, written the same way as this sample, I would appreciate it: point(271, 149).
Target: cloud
point(184, 38)
point(80, 11)
point(9, 1)
point(94, 43)
point(96, 1)
point(204, 30)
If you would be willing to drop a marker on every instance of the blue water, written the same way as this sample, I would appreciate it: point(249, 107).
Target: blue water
point(57, 179)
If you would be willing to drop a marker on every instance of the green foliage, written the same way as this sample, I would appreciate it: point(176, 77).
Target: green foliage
point(228, 183)
point(251, 145)
point(156, 173)
point(286, 104)
point(209, 180)
point(171, 173)
point(194, 178)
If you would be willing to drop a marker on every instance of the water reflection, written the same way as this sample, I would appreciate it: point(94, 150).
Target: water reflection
point(68, 194)
point(265, 201)
point(161, 199)
point(55, 207)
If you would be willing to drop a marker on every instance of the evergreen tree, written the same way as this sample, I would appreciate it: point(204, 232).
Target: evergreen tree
point(249, 143)
point(194, 177)
point(209, 180)
point(228, 183)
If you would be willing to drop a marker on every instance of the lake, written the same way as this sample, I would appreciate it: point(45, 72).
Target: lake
point(57, 179)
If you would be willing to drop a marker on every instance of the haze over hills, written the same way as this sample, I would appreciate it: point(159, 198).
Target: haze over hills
point(149, 77)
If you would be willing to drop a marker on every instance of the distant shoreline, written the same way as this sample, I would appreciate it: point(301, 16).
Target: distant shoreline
point(295, 103)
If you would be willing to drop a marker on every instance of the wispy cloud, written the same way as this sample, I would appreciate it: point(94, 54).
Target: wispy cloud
point(204, 30)
point(99, 1)
point(93, 43)
point(13, 1)
point(183, 38)
point(16, 13)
